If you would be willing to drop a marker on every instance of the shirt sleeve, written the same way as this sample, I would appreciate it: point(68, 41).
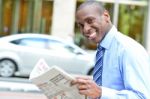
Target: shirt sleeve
point(108, 93)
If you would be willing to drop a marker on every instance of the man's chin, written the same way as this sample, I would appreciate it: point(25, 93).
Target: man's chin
point(93, 40)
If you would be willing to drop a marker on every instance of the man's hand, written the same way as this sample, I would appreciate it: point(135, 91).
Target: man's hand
point(87, 87)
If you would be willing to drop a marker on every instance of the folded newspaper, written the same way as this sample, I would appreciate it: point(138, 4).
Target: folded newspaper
point(54, 82)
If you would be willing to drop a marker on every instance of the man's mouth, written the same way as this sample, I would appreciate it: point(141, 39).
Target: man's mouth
point(92, 36)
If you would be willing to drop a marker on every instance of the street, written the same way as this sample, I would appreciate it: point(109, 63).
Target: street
point(16, 88)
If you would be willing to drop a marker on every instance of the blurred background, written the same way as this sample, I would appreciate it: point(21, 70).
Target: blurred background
point(57, 18)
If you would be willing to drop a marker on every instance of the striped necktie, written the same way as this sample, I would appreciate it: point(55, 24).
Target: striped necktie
point(97, 74)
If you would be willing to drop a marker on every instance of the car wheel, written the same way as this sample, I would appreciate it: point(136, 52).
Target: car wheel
point(7, 68)
point(90, 72)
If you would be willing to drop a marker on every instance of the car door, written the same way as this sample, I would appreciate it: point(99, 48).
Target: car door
point(31, 49)
point(53, 51)
point(64, 56)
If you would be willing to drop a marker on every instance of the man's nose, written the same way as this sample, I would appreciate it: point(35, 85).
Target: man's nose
point(87, 27)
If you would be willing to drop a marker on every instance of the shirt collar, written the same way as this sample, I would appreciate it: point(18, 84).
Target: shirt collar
point(106, 42)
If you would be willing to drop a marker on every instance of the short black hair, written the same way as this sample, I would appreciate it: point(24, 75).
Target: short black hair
point(97, 4)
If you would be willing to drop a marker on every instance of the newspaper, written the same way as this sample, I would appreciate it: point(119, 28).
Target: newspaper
point(54, 82)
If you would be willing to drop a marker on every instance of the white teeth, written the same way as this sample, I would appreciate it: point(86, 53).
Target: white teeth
point(92, 36)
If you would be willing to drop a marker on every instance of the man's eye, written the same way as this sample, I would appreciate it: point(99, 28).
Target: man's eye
point(89, 21)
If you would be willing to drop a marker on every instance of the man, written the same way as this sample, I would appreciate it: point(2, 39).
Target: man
point(124, 69)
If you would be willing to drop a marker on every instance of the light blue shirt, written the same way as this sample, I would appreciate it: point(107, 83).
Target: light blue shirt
point(126, 68)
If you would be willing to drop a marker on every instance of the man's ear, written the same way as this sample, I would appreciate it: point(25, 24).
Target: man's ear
point(106, 16)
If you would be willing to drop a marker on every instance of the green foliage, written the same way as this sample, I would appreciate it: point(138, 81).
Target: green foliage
point(131, 21)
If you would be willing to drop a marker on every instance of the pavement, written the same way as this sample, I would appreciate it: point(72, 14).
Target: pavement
point(19, 88)
point(21, 95)
point(17, 85)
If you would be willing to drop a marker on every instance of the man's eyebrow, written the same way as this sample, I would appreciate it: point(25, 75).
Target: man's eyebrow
point(89, 18)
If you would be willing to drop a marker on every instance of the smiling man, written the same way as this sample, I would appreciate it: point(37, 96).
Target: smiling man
point(122, 65)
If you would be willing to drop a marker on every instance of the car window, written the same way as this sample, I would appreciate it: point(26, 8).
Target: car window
point(57, 45)
point(31, 42)
point(70, 48)
point(50, 44)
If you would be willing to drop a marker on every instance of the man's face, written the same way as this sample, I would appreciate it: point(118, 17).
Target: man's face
point(91, 23)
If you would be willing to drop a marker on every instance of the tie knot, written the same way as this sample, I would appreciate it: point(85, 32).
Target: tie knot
point(100, 48)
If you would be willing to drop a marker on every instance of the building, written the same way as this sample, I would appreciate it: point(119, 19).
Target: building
point(57, 17)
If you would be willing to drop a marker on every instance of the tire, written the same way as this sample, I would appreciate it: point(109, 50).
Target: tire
point(90, 72)
point(7, 68)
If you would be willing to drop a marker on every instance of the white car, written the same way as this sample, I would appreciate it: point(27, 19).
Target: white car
point(19, 53)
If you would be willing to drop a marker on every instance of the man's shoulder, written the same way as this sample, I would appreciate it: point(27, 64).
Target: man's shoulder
point(128, 44)
point(125, 40)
